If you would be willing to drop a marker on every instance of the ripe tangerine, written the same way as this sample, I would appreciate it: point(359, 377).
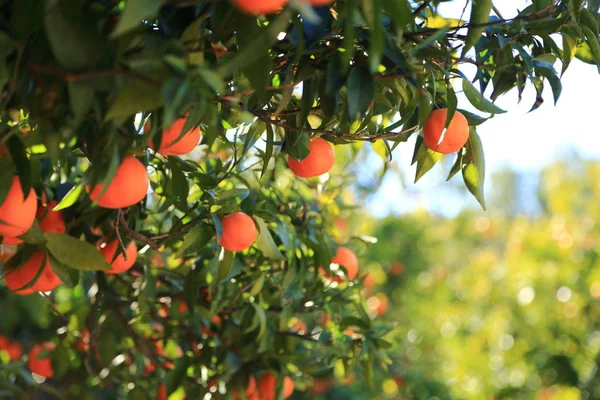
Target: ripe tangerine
point(118, 264)
point(268, 383)
point(239, 232)
point(258, 7)
point(347, 259)
point(456, 135)
point(250, 389)
point(16, 212)
point(51, 221)
point(128, 187)
point(172, 143)
point(319, 160)
point(24, 274)
point(41, 366)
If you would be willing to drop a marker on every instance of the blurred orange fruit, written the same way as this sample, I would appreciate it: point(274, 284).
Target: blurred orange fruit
point(319, 160)
point(267, 385)
point(173, 143)
point(258, 7)
point(118, 264)
point(128, 187)
point(239, 232)
point(347, 259)
point(17, 213)
point(250, 389)
point(455, 137)
point(11, 347)
point(41, 366)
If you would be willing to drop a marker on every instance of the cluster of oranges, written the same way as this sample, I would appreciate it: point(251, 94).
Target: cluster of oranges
point(265, 388)
point(37, 363)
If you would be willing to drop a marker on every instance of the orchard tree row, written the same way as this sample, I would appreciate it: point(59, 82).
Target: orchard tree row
point(171, 207)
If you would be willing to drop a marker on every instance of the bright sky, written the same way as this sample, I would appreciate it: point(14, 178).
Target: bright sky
point(523, 141)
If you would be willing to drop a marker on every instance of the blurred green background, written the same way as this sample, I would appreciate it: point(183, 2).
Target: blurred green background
point(501, 304)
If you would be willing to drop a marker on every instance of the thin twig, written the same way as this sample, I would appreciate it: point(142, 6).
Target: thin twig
point(118, 232)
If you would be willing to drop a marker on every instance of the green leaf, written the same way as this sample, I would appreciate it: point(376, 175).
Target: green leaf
point(265, 242)
point(18, 152)
point(360, 92)
point(377, 38)
point(70, 198)
point(451, 104)
point(268, 150)
point(81, 96)
point(547, 71)
point(69, 276)
point(34, 235)
point(455, 167)
point(258, 285)
point(136, 11)
point(473, 167)
point(440, 33)
point(259, 313)
point(424, 164)
point(212, 79)
point(6, 177)
point(75, 43)
point(586, 18)
point(195, 240)
point(136, 96)
point(176, 376)
point(400, 12)
point(480, 14)
point(225, 264)
point(75, 253)
point(478, 101)
point(569, 50)
point(592, 41)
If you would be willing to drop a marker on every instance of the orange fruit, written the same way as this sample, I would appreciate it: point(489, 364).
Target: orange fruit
point(11, 241)
point(11, 347)
point(118, 264)
point(169, 143)
point(300, 327)
point(268, 383)
point(41, 366)
point(16, 212)
point(51, 221)
point(14, 350)
point(250, 389)
point(258, 7)
point(23, 275)
point(128, 187)
point(456, 135)
point(319, 161)
point(347, 259)
point(83, 342)
point(161, 394)
point(239, 232)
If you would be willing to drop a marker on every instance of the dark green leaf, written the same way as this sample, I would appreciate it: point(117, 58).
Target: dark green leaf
point(265, 241)
point(137, 95)
point(74, 253)
point(6, 177)
point(360, 92)
point(592, 41)
point(34, 235)
point(18, 153)
point(135, 12)
point(478, 101)
point(473, 167)
point(451, 104)
point(480, 13)
point(176, 376)
point(195, 240)
point(69, 276)
point(456, 166)
point(225, 264)
point(547, 71)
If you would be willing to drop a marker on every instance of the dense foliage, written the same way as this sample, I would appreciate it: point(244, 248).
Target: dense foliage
point(92, 92)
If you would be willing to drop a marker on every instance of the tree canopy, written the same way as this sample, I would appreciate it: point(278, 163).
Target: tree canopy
point(164, 267)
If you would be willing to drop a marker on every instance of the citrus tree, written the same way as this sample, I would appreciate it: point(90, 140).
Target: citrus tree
point(169, 191)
